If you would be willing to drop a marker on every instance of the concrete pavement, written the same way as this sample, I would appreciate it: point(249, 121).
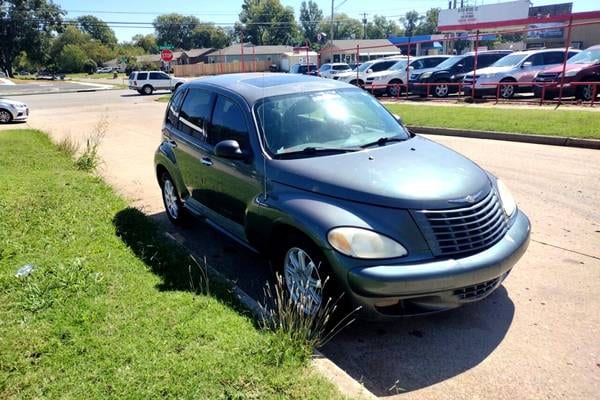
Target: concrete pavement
point(536, 337)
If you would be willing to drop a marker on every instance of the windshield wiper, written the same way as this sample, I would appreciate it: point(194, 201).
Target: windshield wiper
point(318, 150)
point(384, 140)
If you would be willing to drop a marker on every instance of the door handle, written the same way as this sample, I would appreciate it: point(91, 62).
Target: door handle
point(206, 161)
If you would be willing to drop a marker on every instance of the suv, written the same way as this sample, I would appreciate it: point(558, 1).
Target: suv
point(359, 76)
point(331, 70)
point(583, 67)
point(146, 82)
point(383, 82)
point(521, 67)
point(452, 70)
point(337, 192)
point(310, 69)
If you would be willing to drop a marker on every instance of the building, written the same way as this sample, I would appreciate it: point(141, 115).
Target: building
point(420, 45)
point(194, 56)
point(345, 50)
point(248, 52)
point(300, 55)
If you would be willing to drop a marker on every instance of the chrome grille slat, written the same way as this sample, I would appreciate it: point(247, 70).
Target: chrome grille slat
point(456, 231)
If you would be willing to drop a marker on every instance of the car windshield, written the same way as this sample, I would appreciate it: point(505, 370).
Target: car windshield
point(590, 56)
point(399, 66)
point(334, 119)
point(450, 62)
point(364, 67)
point(509, 60)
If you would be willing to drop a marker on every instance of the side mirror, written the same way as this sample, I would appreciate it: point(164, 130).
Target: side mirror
point(229, 149)
point(369, 71)
point(526, 64)
point(398, 118)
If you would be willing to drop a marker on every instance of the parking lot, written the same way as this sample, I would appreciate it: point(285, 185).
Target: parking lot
point(539, 332)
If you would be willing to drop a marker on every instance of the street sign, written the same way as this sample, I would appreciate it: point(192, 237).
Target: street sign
point(167, 46)
point(166, 55)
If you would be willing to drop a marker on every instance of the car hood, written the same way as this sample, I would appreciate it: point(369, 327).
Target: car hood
point(570, 67)
point(388, 72)
point(493, 70)
point(12, 102)
point(417, 173)
point(347, 74)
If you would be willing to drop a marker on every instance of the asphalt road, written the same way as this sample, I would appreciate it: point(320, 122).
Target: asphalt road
point(537, 337)
point(49, 87)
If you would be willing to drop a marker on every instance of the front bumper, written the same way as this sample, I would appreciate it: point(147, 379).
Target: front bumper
point(554, 91)
point(20, 114)
point(389, 290)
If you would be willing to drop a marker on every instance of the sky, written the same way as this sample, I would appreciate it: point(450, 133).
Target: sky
point(225, 12)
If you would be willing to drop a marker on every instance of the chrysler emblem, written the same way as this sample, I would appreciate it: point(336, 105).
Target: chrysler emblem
point(472, 198)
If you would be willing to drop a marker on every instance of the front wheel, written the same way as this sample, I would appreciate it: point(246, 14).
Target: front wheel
point(586, 92)
point(441, 90)
point(507, 91)
point(395, 89)
point(5, 117)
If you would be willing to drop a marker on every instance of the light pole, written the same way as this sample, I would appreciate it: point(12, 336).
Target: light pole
point(331, 29)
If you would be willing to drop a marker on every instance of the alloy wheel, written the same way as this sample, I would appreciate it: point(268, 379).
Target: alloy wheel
point(587, 92)
point(302, 280)
point(441, 90)
point(170, 197)
point(5, 116)
point(507, 91)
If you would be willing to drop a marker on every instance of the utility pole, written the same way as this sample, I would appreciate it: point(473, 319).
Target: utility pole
point(364, 21)
point(331, 30)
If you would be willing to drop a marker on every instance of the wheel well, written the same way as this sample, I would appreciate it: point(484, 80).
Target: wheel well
point(508, 79)
point(279, 234)
point(160, 170)
point(396, 80)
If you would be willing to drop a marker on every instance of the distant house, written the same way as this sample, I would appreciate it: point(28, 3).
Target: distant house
point(250, 52)
point(345, 50)
point(194, 56)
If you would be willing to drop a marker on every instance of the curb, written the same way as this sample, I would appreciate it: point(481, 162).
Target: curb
point(347, 385)
point(511, 137)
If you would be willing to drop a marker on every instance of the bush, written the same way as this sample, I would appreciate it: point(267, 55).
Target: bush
point(90, 66)
point(71, 59)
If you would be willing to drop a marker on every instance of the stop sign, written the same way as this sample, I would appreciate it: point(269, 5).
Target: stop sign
point(166, 55)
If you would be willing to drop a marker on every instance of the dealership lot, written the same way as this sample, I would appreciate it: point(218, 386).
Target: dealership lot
point(539, 332)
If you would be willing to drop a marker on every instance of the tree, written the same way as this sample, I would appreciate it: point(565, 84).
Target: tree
point(428, 25)
point(97, 29)
point(26, 25)
point(175, 30)
point(266, 22)
point(209, 35)
point(71, 59)
point(381, 27)
point(344, 27)
point(310, 18)
point(410, 22)
point(146, 42)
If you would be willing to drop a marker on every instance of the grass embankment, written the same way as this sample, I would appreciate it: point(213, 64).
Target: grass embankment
point(567, 123)
point(164, 99)
point(104, 75)
point(113, 309)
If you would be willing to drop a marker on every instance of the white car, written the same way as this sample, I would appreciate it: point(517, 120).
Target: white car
point(146, 82)
point(11, 110)
point(331, 70)
point(104, 70)
point(358, 77)
point(388, 81)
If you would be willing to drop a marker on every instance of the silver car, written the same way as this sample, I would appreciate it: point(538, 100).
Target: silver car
point(521, 66)
point(11, 110)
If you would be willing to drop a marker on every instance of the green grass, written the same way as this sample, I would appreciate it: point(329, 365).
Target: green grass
point(113, 309)
point(568, 123)
point(83, 75)
point(164, 99)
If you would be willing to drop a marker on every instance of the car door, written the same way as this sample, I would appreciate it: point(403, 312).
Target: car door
point(189, 141)
point(231, 183)
point(463, 67)
point(530, 66)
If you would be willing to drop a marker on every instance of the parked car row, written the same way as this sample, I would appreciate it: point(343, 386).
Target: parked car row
point(501, 72)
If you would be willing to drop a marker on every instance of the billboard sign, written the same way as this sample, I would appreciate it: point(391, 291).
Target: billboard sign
point(552, 30)
point(473, 15)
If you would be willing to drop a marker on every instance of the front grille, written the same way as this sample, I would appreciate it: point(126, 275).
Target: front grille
point(476, 292)
point(460, 231)
point(370, 79)
point(547, 76)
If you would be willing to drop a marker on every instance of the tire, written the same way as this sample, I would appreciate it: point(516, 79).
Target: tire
point(315, 296)
point(147, 90)
point(358, 83)
point(508, 91)
point(585, 93)
point(394, 91)
point(441, 90)
point(5, 117)
point(174, 208)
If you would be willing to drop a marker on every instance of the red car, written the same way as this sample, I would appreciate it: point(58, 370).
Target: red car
point(583, 67)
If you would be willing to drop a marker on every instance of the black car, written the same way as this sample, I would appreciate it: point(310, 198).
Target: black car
point(452, 70)
point(318, 175)
point(304, 69)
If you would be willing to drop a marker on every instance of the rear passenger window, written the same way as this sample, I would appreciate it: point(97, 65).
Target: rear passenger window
point(432, 62)
point(554, 57)
point(194, 113)
point(174, 106)
point(485, 60)
point(158, 75)
point(142, 76)
point(228, 123)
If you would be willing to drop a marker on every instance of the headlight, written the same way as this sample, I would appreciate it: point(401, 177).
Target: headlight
point(425, 75)
point(379, 78)
point(363, 243)
point(571, 73)
point(508, 201)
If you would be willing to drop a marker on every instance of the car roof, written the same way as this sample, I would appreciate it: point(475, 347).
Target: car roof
point(529, 52)
point(472, 53)
point(254, 86)
point(594, 47)
point(338, 63)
